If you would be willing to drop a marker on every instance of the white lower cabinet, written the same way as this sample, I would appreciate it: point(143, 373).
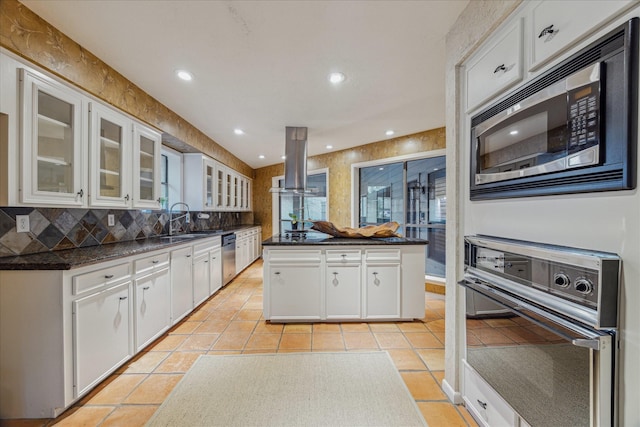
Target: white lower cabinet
point(343, 290)
point(382, 291)
point(201, 278)
point(342, 287)
point(153, 306)
point(181, 283)
point(64, 331)
point(295, 291)
point(295, 285)
point(215, 270)
point(484, 403)
point(343, 283)
point(102, 335)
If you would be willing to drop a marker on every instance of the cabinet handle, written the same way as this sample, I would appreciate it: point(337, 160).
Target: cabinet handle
point(277, 273)
point(158, 200)
point(123, 298)
point(108, 276)
point(144, 289)
point(481, 403)
point(189, 256)
point(155, 261)
point(80, 193)
point(547, 30)
point(500, 68)
point(126, 198)
point(206, 261)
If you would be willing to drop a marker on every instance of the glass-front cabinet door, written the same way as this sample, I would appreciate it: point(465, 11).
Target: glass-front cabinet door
point(52, 166)
point(229, 190)
point(247, 194)
point(220, 187)
point(110, 145)
point(209, 183)
point(146, 167)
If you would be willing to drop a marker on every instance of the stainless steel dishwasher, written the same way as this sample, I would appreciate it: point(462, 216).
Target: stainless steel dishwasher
point(228, 257)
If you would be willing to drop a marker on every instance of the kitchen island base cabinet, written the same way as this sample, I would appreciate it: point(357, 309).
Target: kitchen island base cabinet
point(373, 283)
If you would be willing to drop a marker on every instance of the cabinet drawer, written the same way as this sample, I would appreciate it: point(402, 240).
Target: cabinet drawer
point(375, 255)
point(343, 256)
point(499, 68)
point(484, 403)
point(295, 256)
point(91, 281)
point(556, 26)
point(151, 263)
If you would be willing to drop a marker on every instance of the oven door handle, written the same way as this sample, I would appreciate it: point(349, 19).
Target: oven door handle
point(588, 337)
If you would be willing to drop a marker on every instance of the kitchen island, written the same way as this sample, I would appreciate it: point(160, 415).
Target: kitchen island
point(313, 277)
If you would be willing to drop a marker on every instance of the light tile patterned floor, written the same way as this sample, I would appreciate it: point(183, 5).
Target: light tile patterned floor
point(231, 322)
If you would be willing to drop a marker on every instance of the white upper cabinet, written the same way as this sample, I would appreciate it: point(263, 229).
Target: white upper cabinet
point(497, 68)
point(556, 26)
point(52, 166)
point(211, 186)
point(83, 153)
point(109, 148)
point(146, 167)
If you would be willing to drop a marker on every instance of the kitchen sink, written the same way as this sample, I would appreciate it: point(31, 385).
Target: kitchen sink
point(179, 237)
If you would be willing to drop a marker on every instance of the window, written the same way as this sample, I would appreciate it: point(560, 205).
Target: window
point(164, 182)
point(413, 194)
point(304, 207)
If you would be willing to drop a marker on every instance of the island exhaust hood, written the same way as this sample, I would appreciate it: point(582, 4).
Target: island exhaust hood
point(295, 163)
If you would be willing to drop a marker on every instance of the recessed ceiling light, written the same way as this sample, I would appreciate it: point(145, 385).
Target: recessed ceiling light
point(513, 132)
point(184, 75)
point(336, 78)
point(389, 132)
point(380, 169)
point(238, 131)
point(261, 156)
point(329, 147)
point(283, 157)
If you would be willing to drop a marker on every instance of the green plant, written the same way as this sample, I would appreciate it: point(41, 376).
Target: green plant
point(294, 218)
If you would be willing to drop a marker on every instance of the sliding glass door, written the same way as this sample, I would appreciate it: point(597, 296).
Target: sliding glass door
point(412, 193)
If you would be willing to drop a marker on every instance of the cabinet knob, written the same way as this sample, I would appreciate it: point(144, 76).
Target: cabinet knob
point(547, 31)
point(80, 193)
point(500, 68)
point(108, 276)
point(126, 198)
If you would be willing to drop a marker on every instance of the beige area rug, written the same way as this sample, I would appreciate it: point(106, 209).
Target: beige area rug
point(291, 389)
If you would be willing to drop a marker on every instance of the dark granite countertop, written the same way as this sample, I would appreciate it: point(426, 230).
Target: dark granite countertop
point(79, 257)
point(321, 239)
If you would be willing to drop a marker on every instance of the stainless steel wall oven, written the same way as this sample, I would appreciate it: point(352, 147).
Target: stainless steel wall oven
point(573, 129)
point(550, 351)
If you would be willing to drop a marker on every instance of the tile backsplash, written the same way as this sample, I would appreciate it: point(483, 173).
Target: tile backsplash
point(53, 229)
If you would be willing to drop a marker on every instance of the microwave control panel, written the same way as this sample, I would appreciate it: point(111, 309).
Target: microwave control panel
point(584, 120)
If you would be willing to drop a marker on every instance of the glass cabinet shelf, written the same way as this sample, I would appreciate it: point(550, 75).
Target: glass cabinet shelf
point(51, 128)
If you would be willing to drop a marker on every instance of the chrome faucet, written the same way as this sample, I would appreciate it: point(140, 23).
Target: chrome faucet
point(171, 218)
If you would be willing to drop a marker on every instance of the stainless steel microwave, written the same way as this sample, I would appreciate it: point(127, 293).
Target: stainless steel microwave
point(573, 129)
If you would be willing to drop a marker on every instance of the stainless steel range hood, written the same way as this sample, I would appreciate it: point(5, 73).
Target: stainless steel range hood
point(295, 163)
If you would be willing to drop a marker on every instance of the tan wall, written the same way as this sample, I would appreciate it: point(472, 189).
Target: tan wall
point(339, 165)
point(26, 34)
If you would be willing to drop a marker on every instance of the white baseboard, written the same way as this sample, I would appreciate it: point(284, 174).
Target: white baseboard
point(454, 396)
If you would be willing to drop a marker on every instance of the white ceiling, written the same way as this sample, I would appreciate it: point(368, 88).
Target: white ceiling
point(263, 65)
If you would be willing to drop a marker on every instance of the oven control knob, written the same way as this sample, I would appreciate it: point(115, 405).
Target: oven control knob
point(561, 280)
point(584, 286)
